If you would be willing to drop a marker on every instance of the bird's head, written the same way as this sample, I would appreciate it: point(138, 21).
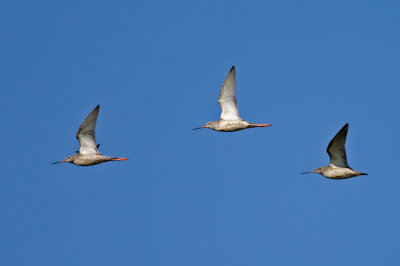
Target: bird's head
point(318, 171)
point(207, 125)
point(69, 159)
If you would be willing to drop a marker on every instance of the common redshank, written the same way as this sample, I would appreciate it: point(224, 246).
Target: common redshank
point(88, 153)
point(230, 120)
point(338, 167)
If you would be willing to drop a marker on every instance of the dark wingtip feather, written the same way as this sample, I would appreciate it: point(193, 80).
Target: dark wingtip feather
point(344, 129)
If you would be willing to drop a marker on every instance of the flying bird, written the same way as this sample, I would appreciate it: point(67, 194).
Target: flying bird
point(230, 120)
point(88, 153)
point(338, 167)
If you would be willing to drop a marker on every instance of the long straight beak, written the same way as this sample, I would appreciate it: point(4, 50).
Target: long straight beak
point(309, 172)
point(63, 161)
point(198, 128)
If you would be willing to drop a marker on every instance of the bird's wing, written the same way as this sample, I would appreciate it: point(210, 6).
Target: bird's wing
point(86, 134)
point(227, 97)
point(337, 150)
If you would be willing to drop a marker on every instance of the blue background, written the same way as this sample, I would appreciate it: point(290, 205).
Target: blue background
point(199, 197)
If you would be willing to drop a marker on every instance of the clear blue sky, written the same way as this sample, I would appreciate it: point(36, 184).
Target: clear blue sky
point(199, 197)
